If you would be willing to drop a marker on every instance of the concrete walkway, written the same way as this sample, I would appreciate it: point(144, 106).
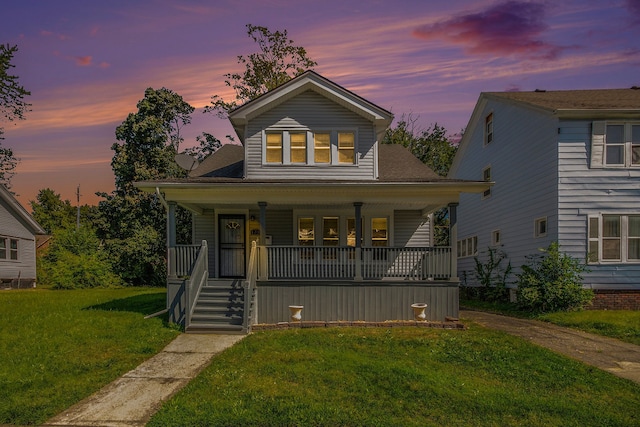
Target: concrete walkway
point(132, 399)
point(619, 358)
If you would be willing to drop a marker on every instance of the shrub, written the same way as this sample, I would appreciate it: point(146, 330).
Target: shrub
point(552, 282)
point(491, 276)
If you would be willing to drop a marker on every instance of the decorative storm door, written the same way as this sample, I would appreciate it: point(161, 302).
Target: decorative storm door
point(231, 229)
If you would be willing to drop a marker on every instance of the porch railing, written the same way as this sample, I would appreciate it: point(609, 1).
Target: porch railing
point(198, 276)
point(185, 257)
point(407, 263)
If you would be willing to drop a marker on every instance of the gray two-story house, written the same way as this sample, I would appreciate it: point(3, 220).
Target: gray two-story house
point(310, 210)
point(566, 167)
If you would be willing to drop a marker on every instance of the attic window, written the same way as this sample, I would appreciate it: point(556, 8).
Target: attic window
point(488, 129)
point(298, 145)
point(346, 147)
point(322, 147)
point(274, 148)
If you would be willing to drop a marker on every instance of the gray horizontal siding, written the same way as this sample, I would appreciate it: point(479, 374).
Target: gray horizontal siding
point(204, 228)
point(523, 160)
point(411, 229)
point(583, 191)
point(310, 111)
point(280, 226)
point(368, 302)
point(25, 266)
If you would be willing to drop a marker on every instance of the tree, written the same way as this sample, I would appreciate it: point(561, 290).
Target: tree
point(132, 223)
point(208, 145)
point(12, 94)
point(12, 107)
point(277, 62)
point(52, 213)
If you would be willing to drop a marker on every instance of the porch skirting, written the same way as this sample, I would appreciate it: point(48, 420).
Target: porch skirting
point(376, 301)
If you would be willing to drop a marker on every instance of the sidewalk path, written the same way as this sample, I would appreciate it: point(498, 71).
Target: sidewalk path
point(132, 399)
point(619, 358)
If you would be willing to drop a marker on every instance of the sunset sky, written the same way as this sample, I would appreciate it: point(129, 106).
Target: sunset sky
point(87, 63)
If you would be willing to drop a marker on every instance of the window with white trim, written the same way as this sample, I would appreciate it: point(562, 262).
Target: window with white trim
point(346, 148)
point(540, 227)
point(496, 238)
point(614, 238)
point(468, 247)
point(622, 144)
point(8, 248)
point(486, 176)
point(488, 129)
point(274, 148)
point(298, 147)
point(322, 147)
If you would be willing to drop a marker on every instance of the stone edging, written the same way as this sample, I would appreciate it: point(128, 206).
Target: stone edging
point(453, 324)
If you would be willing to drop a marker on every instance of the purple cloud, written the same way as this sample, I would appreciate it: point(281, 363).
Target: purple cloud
point(508, 28)
point(633, 6)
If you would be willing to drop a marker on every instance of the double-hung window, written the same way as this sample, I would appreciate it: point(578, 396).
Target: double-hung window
point(614, 238)
point(298, 147)
point(274, 148)
point(322, 147)
point(346, 147)
point(488, 129)
point(622, 144)
point(8, 248)
point(486, 176)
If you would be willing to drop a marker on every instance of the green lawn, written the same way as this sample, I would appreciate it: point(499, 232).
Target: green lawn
point(58, 347)
point(399, 377)
point(623, 325)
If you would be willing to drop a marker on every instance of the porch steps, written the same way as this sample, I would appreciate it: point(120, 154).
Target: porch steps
point(219, 308)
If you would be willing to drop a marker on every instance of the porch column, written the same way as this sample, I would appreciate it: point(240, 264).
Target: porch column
point(263, 222)
point(453, 239)
point(358, 207)
point(171, 238)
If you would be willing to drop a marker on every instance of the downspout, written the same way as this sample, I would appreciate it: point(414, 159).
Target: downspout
point(162, 200)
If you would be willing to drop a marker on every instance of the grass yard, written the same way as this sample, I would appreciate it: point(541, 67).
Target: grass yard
point(623, 325)
point(58, 347)
point(399, 377)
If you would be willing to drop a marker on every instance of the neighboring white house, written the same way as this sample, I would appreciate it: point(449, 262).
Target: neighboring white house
point(17, 243)
point(341, 221)
point(566, 167)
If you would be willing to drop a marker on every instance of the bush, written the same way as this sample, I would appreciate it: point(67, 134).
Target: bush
point(76, 260)
point(552, 282)
point(491, 276)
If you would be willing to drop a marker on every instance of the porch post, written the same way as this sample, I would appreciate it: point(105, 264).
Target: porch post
point(358, 207)
point(171, 238)
point(453, 239)
point(263, 222)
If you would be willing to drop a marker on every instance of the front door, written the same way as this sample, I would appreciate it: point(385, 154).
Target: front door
point(231, 229)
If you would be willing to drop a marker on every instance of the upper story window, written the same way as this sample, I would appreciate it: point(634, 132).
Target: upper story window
point(322, 147)
point(274, 148)
point(298, 147)
point(486, 176)
point(8, 248)
point(346, 147)
point(614, 238)
point(488, 129)
point(622, 144)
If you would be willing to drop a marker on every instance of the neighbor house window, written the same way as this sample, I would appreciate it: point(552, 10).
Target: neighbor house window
point(614, 238)
point(622, 144)
point(8, 248)
point(322, 147)
point(298, 146)
point(540, 227)
point(468, 247)
point(496, 238)
point(488, 129)
point(486, 176)
point(346, 147)
point(274, 148)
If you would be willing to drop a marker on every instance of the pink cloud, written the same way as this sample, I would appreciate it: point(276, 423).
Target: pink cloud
point(52, 34)
point(508, 28)
point(83, 61)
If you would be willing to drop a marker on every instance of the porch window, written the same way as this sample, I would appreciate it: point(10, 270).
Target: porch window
point(322, 147)
point(306, 235)
point(622, 144)
point(346, 147)
point(351, 232)
point(379, 232)
point(614, 238)
point(330, 236)
point(298, 145)
point(274, 148)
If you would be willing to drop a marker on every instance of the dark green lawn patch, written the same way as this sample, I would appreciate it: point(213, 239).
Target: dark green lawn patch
point(399, 377)
point(621, 324)
point(58, 347)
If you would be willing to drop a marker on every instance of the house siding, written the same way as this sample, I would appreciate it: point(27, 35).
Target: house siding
point(584, 191)
point(25, 267)
point(204, 229)
point(310, 111)
point(523, 161)
point(411, 229)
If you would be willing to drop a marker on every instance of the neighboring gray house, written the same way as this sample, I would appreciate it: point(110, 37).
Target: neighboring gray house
point(18, 232)
point(340, 223)
point(566, 167)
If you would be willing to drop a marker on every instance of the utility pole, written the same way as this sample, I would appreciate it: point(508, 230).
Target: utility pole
point(78, 214)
